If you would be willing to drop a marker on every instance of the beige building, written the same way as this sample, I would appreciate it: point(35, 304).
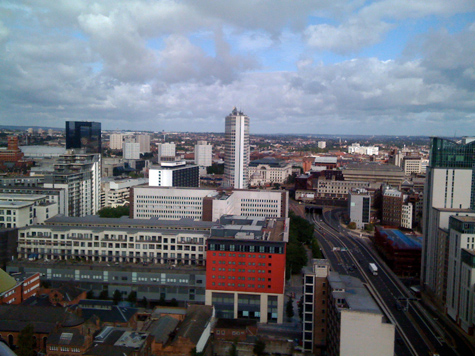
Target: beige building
point(267, 171)
point(412, 165)
point(18, 210)
point(116, 193)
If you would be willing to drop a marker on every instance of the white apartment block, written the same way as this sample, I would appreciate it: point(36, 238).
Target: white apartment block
point(116, 141)
point(131, 150)
point(116, 193)
point(18, 210)
point(363, 150)
point(236, 150)
point(203, 154)
point(406, 216)
point(116, 240)
point(80, 176)
point(268, 171)
point(321, 144)
point(206, 204)
point(144, 142)
point(166, 150)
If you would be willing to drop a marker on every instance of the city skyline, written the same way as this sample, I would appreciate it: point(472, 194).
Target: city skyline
point(332, 67)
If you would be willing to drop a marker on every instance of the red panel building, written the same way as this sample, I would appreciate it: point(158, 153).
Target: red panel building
point(19, 287)
point(245, 268)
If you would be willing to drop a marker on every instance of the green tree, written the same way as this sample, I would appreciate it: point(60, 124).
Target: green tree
point(316, 253)
point(113, 212)
point(296, 258)
point(90, 294)
point(352, 225)
point(26, 341)
point(233, 350)
point(289, 309)
point(104, 295)
point(144, 302)
point(132, 297)
point(259, 347)
point(369, 227)
point(117, 297)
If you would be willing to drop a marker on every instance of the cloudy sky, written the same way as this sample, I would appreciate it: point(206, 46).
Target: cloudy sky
point(404, 67)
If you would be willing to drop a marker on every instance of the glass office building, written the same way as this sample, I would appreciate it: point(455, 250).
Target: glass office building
point(84, 135)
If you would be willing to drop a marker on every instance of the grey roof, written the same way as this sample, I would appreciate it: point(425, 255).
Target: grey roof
point(197, 317)
point(111, 314)
point(270, 161)
point(43, 319)
point(125, 221)
point(69, 291)
point(355, 294)
point(162, 328)
point(372, 166)
point(66, 336)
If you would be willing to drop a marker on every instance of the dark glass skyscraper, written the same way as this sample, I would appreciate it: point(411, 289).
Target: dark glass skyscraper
point(85, 135)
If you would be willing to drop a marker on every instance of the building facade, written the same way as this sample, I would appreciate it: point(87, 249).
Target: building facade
point(245, 269)
point(115, 141)
point(174, 174)
point(144, 142)
point(359, 206)
point(131, 150)
point(236, 150)
point(268, 171)
point(449, 189)
point(205, 204)
point(203, 154)
point(116, 193)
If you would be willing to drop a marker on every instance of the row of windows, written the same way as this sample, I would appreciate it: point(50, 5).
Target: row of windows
point(245, 248)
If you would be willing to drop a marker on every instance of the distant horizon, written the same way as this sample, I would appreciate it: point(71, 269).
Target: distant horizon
point(20, 127)
point(329, 67)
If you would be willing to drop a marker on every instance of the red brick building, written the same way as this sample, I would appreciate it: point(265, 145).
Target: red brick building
point(245, 271)
point(16, 289)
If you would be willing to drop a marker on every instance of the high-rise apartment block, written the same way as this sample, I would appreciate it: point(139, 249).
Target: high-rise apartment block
point(245, 268)
point(203, 154)
point(131, 150)
point(80, 176)
point(144, 141)
point(449, 190)
point(115, 141)
point(237, 150)
point(84, 135)
point(166, 151)
point(322, 144)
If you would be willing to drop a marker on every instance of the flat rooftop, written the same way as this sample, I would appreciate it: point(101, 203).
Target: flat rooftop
point(401, 240)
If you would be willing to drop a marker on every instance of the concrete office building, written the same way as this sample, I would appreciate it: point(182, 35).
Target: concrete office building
point(411, 164)
point(236, 150)
point(84, 135)
point(131, 150)
point(354, 321)
point(116, 192)
point(115, 141)
point(341, 317)
point(245, 268)
point(144, 141)
point(174, 174)
point(359, 207)
point(374, 172)
point(206, 204)
point(449, 189)
point(203, 154)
